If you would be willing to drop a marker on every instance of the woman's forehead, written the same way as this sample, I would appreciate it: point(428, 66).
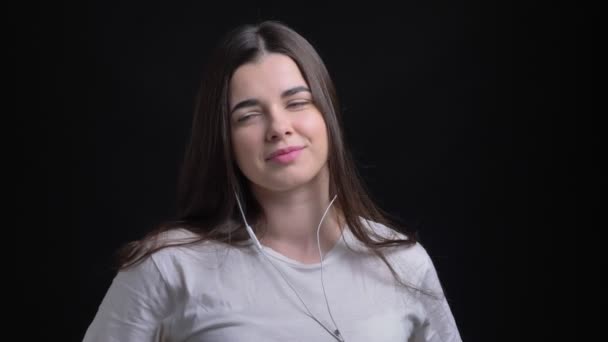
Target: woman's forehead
point(271, 75)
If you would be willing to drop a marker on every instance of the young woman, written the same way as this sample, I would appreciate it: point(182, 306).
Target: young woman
point(275, 239)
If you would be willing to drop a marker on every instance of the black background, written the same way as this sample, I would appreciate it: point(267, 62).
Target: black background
point(453, 112)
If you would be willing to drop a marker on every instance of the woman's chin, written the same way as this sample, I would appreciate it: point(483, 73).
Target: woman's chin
point(285, 185)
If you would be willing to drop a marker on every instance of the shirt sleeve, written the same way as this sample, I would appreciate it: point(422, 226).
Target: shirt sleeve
point(134, 306)
point(439, 324)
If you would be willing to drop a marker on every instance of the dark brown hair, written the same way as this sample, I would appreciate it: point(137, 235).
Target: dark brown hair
point(206, 203)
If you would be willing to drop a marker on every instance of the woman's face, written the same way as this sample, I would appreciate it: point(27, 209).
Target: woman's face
point(271, 108)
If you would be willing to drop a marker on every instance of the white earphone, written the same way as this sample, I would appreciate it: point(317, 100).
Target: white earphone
point(336, 332)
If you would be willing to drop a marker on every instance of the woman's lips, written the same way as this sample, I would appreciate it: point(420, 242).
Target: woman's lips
point(286, 157)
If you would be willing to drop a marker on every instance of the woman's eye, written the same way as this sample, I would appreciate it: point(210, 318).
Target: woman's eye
point(297, 104)
point(246, 117)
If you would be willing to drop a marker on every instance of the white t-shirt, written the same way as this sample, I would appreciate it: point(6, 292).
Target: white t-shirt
point(214, 293)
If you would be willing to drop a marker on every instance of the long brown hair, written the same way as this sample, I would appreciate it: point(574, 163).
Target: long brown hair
point(206, 204)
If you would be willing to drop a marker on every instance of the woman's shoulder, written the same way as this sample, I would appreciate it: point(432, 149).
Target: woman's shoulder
point(178, 250)
point(183, 245)
point(410, 258)
point(177, 236)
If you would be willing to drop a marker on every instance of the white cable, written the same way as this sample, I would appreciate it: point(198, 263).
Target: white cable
point(321, 257)
point(336, 333)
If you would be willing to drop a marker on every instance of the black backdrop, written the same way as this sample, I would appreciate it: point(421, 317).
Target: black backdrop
point(451, 110)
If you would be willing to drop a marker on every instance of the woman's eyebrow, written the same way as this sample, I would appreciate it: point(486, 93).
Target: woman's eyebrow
point(254, 102)
point(294, 90)
point(245, 103)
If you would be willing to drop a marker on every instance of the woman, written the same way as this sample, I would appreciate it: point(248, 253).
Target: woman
point(276, 239)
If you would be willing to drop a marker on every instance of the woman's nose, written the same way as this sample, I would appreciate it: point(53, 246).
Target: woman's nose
point(279, 124)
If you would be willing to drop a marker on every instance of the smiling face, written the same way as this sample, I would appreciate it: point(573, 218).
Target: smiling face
point(271, 108)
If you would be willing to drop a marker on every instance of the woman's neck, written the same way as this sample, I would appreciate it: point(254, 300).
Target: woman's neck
point(291, 219)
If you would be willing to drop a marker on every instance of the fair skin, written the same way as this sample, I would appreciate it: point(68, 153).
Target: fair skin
point(271, 107)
